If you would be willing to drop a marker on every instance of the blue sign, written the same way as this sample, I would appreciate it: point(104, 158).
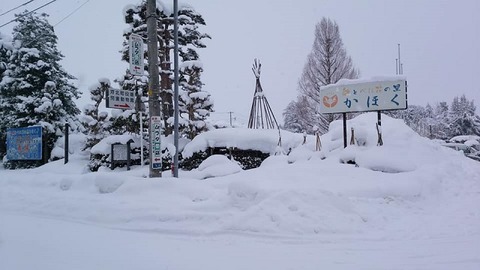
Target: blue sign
point(24, 143)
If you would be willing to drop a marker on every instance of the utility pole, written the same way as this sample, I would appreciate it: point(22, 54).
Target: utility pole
point(153, 84)
point(396, 66)
point(231, 124)
point(175, 90)
point(400, 64)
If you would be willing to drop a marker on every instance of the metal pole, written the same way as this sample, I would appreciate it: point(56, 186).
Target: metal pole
point(66, 142)
point(399, 61)
point(153, 81)
point(396, 66)
point(344, 130)
point(141, 139)
point(175, 90)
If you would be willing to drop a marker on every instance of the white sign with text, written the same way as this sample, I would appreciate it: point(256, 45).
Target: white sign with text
point(362, 96)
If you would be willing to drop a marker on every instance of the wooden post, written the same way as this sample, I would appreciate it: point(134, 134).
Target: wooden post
point(352, 139)
point(112, 159)
point(318, 144)
point(379, 128)
point(128, 154)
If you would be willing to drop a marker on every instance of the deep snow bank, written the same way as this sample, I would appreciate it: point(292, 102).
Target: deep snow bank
point(410, 187)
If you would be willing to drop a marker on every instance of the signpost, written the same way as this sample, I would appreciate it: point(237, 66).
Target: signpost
point(379, 94)
point(156, 144)
point(136, 54)
point(24, 143)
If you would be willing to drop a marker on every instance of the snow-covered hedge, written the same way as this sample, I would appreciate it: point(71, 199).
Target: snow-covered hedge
point(247, 146)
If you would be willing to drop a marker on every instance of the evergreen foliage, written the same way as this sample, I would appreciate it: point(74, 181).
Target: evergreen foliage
point(97, 124)
point(6, 49)
point(463, 120)
point(442, 121)
point(35, 89)
point(194, 104)
point(190, 38)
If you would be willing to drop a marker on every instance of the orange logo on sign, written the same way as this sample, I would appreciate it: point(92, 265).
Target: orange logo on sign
point(330, 102)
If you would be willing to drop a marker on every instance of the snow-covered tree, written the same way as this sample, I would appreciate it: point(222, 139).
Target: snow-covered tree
point(440, 126)
point(5, 53)
point(97, 123)
point(327, 63)
point(463, 120)
point(299, 116)
point(190, 38)
point(6, 49)
point(194, 103)
point(443, 121)
point(35, 89)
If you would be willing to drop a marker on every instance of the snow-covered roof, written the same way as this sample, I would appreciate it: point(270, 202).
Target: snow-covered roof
point(103, 147)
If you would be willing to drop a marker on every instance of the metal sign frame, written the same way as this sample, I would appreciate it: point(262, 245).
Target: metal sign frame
point(24, 143)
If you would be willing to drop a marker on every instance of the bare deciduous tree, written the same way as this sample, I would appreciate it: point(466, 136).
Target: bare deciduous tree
point(327, 63)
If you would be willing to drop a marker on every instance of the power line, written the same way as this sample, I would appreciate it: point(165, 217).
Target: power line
point(66, 17)
point(23, 15)
point(24, 4)
point(71, 13)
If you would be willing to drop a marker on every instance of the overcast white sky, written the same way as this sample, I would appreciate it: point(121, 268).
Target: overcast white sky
point(440, 43)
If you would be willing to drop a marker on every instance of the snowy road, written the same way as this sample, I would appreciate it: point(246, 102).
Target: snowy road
point(28, 242)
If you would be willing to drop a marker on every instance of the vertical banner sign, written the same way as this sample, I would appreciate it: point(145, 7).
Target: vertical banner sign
point(155, 142)
point(136, 54)
point(24, 143)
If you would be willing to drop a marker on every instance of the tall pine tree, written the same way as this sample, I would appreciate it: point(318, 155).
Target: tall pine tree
point(35, 89)
point(190, 39)
point(96, 122)
point(463, 120)
point(6, 49)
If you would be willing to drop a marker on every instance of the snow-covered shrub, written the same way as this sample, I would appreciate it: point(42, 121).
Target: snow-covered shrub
point(193, 161)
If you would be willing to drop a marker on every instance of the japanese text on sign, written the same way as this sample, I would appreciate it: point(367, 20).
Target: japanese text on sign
point(24, 143)
point(365, 96)
point(121, 99)
point(156, 143)
point(136, 54)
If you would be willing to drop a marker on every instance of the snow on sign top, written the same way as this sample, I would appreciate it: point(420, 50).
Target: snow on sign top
point(376, 94)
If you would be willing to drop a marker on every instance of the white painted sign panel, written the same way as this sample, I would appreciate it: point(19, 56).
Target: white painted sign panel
point(121, 99)
point(364, 96)
point(155, 142)
point(136, 54)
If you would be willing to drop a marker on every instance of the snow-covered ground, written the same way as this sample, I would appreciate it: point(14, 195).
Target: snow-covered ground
point(409, 204)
